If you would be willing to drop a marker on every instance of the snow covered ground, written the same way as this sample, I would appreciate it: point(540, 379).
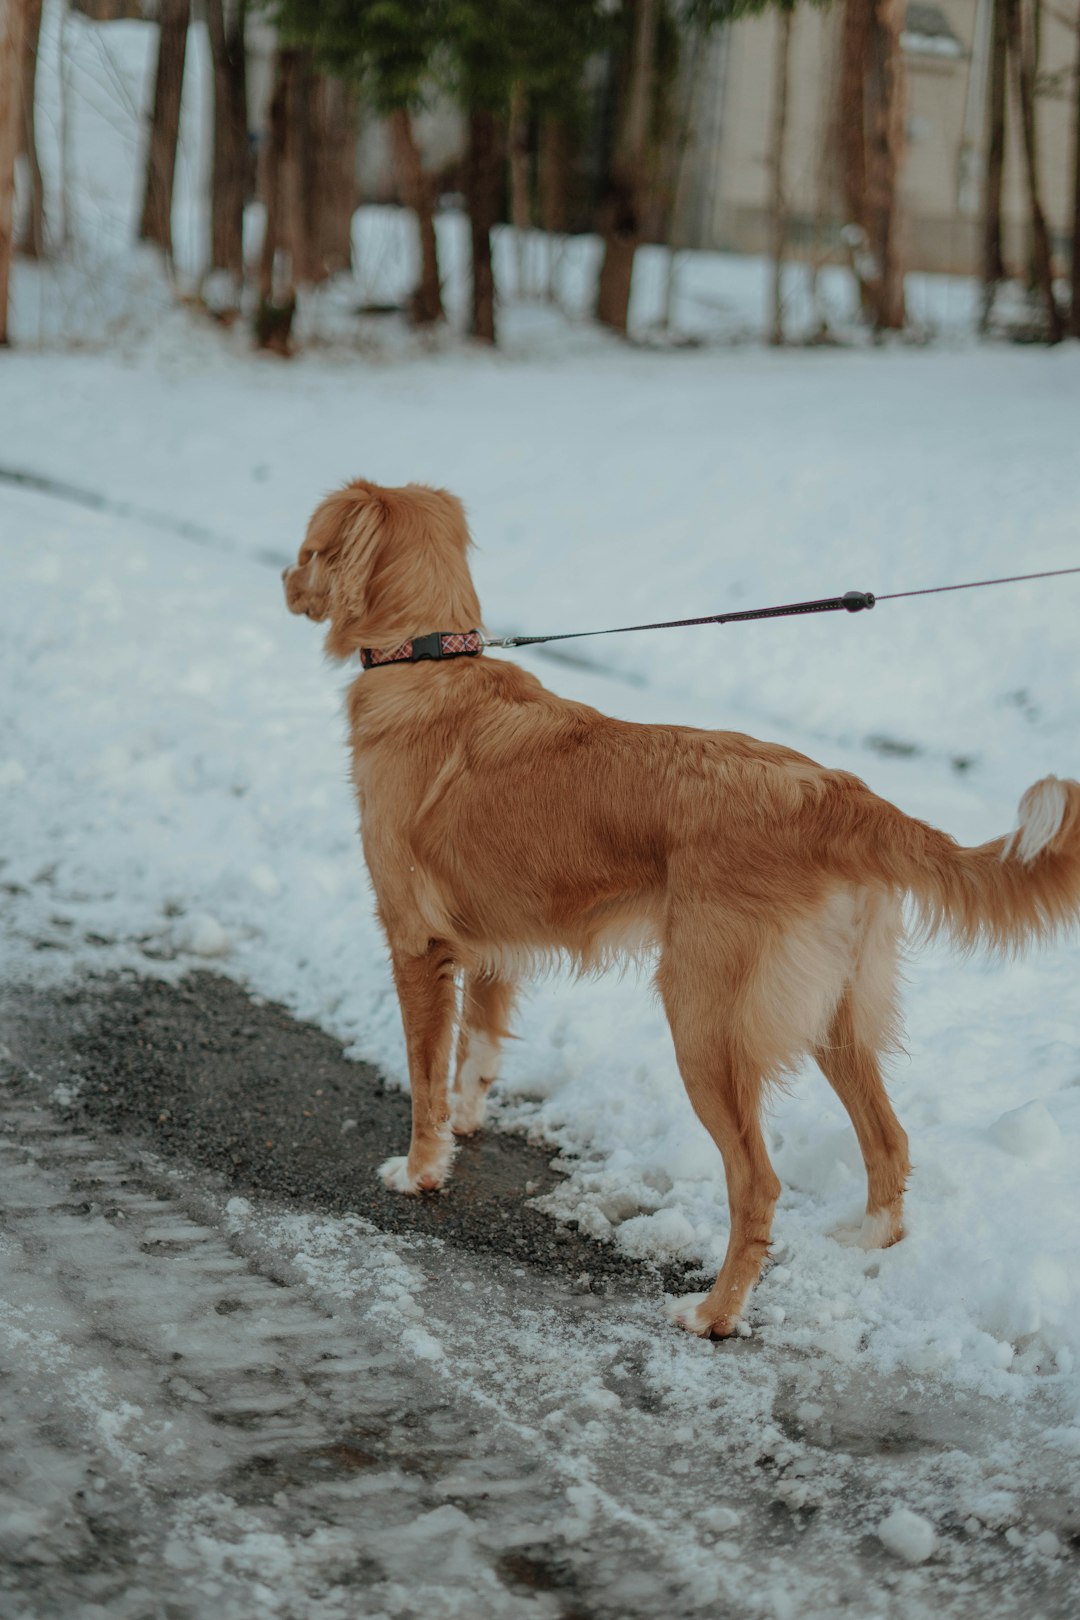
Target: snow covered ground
point(173, 790)
point(173, 772)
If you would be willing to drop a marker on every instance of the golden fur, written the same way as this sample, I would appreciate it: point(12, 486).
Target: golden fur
point(504, 826)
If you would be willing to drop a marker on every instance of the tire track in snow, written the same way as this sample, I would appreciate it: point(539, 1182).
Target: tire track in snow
point(92, 500)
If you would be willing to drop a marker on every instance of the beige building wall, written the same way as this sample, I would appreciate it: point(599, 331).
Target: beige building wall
point(727, 193)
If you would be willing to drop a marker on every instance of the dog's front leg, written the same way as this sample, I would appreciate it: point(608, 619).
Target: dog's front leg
point(486, 1006)
point(426, 992)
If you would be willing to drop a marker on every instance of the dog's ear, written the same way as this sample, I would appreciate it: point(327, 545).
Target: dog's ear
point(336, 561)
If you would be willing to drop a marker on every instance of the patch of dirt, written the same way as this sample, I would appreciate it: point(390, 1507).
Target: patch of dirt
point(203, 1074)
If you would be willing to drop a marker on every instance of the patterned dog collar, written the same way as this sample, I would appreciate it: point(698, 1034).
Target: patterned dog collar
point(439, 644)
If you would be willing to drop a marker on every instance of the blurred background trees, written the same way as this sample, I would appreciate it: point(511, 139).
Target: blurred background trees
point(887, 135)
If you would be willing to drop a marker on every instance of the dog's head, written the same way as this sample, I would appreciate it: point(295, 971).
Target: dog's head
point(383, 565)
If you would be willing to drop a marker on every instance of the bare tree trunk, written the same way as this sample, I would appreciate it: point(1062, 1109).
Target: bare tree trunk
point(622, 212)
point(483, 163)
point(280, 184)
point(1074, 301)
point(156, 222)
point(1040, 238)
point(328, 162)
point(851, 130)
point(309, 188)
point(993, 257)
point(886, 159)
point(520, 201)
point(697, 56)
point(781, 83)
point(12, 33)
point(417, 192)
point(552, 184)
point(229, 182)
point(32, 232)
point(871, 135)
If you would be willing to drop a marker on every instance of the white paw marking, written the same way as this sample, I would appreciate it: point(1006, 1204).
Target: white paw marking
point(395, 1174)
point(686, 1312)
point(876, 1231)
point(468, 1101)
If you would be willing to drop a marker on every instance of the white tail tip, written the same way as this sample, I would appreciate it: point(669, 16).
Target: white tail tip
point(1042, 810)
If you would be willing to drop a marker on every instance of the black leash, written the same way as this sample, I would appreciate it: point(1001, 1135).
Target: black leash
point(850, 602)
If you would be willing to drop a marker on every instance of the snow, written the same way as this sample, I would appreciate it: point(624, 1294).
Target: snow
point(173, 793)
point(174, 763)
point(908, 1535)
point(1027, 1132)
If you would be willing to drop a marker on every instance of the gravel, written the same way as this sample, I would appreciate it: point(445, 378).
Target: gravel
point(204, 1074)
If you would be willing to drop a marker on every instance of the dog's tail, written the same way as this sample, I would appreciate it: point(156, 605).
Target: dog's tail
point(1005, 894)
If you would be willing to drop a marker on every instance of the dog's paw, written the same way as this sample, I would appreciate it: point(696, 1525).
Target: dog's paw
point(880, 1230)
point(396, 1175)
point(467, 1114)
point(689, 1312)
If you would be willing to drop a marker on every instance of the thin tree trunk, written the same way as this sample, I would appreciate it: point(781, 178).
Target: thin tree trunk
point(32, 233)
point(63, 130)
point(993, 256)
point(1040, 237)
point(417, 191)
point(483, 163)
point(851, 133)
point(777, 156)
point(12, 33)
point(871, 139)
point(1074, 301)
point(225, 21)
point(886, 159)
point(695, 46)
point(309, 189)
point(622, 214)
point(156, 222)
point(553, 189)
point(279, 183)
point(1031, 46)
point(520, 201)
point(327, 124)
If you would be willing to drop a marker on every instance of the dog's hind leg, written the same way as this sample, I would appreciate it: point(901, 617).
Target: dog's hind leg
point(486, 1006)
point(852, 1069)
point(863, 1026)
point(428, 997)
point(725, 1086)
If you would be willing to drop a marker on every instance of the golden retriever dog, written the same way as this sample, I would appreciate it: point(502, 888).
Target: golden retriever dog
point(504, 826)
